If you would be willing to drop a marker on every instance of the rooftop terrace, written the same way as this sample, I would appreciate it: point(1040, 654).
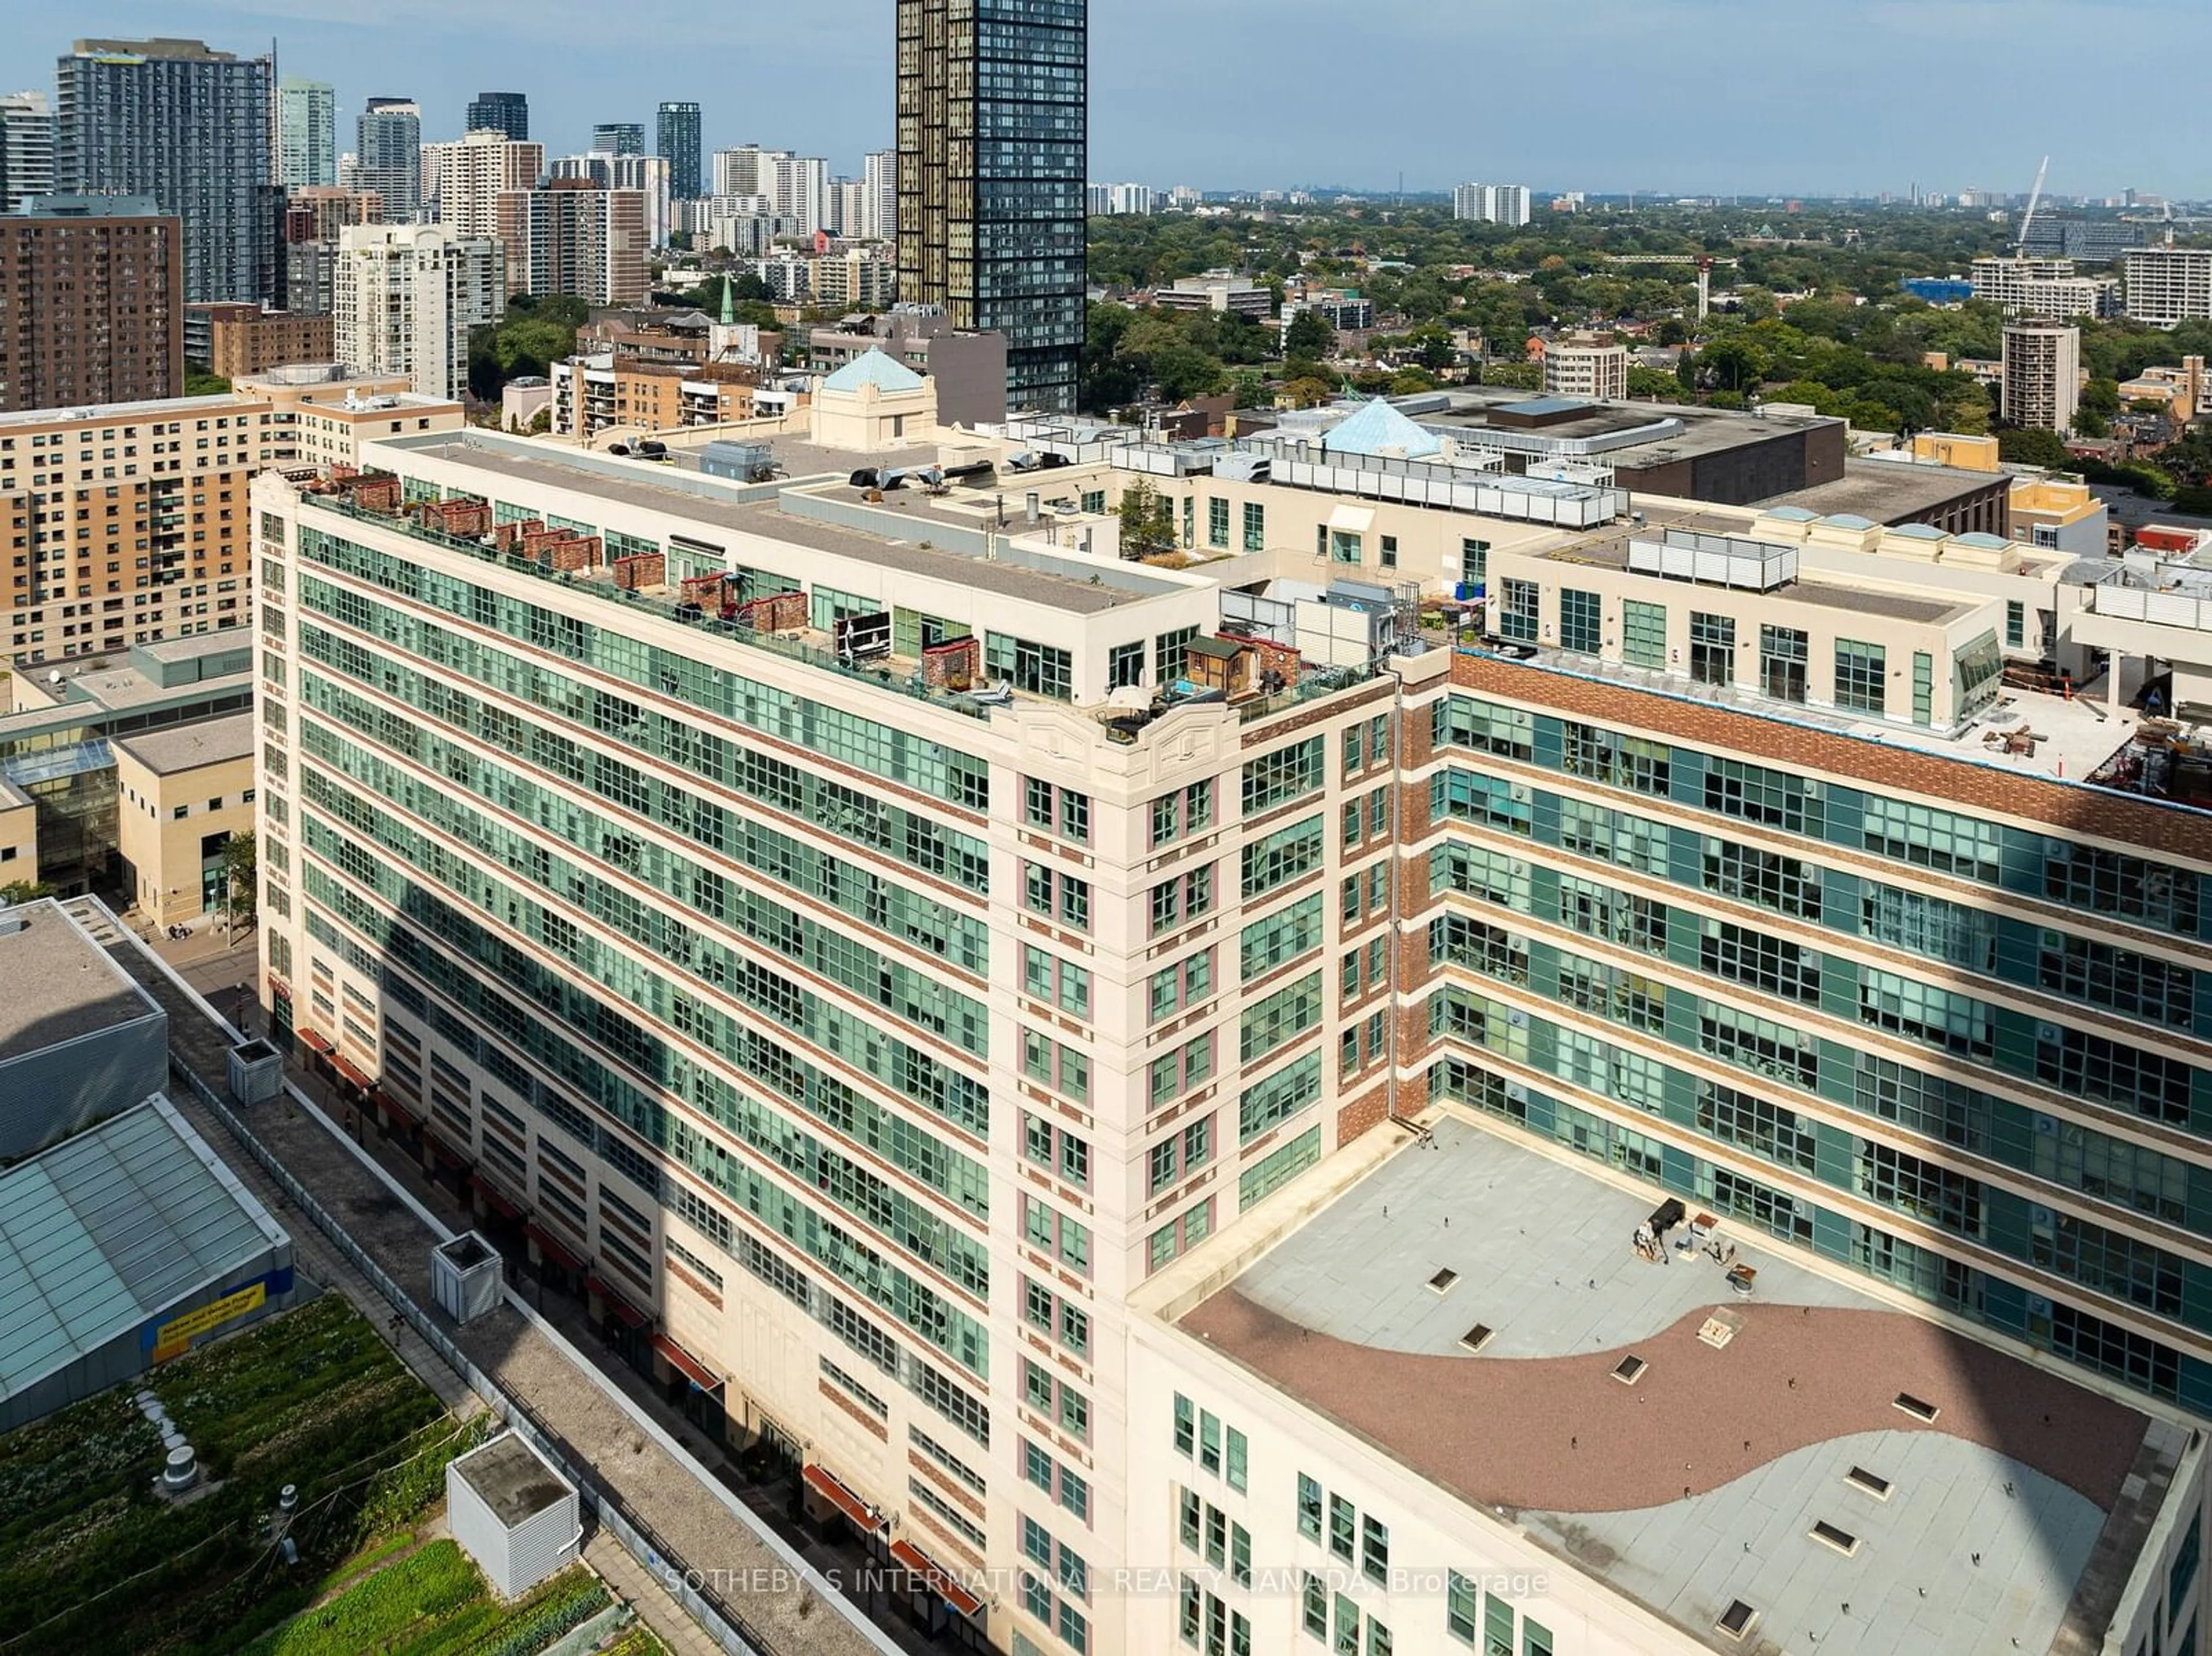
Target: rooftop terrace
point(1754, 1417)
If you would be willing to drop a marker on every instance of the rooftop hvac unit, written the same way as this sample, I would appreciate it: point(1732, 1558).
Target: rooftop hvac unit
point(466, 1276)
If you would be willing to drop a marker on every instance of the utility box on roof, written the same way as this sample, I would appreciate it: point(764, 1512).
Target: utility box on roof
point(466, 1275)
point(512, 1513)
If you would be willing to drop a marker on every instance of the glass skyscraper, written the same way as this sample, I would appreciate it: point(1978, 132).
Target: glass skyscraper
point(388, 156)
point(619, 137)
point(991, 155)
point(190, 127)
point(678, 139)
point(500, 112)
point(307, 132)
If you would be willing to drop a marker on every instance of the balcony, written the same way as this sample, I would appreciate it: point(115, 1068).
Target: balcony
point(2164, 595)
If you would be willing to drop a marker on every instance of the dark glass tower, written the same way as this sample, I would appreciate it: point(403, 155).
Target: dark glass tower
point(192, 129)
point(619, 137)
point(501, 112)
point(678, 139)
point(991, 155)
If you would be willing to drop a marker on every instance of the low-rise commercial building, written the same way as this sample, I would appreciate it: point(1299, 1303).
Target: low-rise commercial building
point(182, 794)
point(1221, 291)
point(62, 802)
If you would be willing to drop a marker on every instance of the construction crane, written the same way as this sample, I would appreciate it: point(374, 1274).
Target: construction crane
point(2034, 200)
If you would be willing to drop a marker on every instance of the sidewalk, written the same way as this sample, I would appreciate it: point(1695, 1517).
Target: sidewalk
point(624, 1460)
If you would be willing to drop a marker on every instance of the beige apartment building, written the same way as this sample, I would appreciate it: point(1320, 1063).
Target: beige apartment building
point(463, 181)
point(1129, 1073)
point(2042, 386)
point(1585, 367)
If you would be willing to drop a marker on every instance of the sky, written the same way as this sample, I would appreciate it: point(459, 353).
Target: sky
point(1800, 97)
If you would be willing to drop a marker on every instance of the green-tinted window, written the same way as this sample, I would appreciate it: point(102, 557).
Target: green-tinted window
point(1644, 634)
point(1256, 526)
point(1343, 546)
point(1283, 856)
point(1475, 561)
point(1924, 687)
point(1269, 1103)
point(1517, 615)
point(1862, 677)
point(1217, 522)
point(1284, 1015)
point(1582, 620)
point(1277, 1168)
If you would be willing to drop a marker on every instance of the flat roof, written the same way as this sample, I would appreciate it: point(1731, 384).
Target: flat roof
point(510, 1479)
point(180, 748)
point(61, 985)
point(223, 402)
point(1701, 1482)
point(2072, 736)
point(1888, 491)
point(107, 1229)
point(122, 688)
point(1696, 430)
point(703, 500)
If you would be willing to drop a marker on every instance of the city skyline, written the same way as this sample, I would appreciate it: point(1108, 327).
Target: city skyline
point(1668, 110)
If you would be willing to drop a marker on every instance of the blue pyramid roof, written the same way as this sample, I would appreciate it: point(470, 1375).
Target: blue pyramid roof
point(1379, 427)
point(873, 368)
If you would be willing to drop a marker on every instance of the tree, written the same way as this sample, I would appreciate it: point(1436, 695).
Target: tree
point(2033, 448)
point(23, 891)
point(201, 381)
point(2101, 396)
point(1147, 521)
point(1308, 338)
point(2088, 423)
point(241, 868)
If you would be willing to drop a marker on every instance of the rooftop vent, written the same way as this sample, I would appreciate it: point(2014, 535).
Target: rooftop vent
point(1829, 1536)
point(1629, 1370)
point(1916, 1407)
point(1477, 1337)
point(1443, 1281)
point(1873, 1482)
point(1735, 1620)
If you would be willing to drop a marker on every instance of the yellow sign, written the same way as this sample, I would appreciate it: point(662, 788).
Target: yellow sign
point(171, 1339)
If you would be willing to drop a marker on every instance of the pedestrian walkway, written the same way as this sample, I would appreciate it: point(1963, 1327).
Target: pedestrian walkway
point(672, 1496)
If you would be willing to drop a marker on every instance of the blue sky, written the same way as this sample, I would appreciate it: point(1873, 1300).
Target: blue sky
point(1804, 96)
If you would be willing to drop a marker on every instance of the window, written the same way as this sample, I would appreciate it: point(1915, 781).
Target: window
point(2015, 624)
point(1644, 634)
point(1389, 554)
point(1751, 876)
point(1941, 1017)
point(1764, 963)
point(1182, 985)
point(1125, 666)
point(1048, 892)
point(1217, 522)
point(1782, 653)
point(1255, 527)
point(1288, 774)
point(1310, 1507)
point(1460, 1599)
point(1767, 1129)
point(1281, 1016)
point(2138, 985)
point(1712, 648)
point(1374, 1549)
point(1517, 615)
point(1188, 810)
point(1862, 677)
point(2126, 888)
point(1475, 561)
point(1582, 620)
point(1343, 546)
point(1284, 856)
point(1460, 721)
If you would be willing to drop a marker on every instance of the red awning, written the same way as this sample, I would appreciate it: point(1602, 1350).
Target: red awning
point(497, 1199)
point(687, 1365)
point(392, 1106)
point(351, 1073)
point(313, 1042)
point(552, 1247)
point(279, 988)
point(940, 1581)
point(825, 1484)
point(614, 1302)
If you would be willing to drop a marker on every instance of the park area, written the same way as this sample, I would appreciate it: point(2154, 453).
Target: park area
point(94, 1561)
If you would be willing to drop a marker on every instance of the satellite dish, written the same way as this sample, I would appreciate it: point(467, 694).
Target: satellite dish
point(54, 676)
